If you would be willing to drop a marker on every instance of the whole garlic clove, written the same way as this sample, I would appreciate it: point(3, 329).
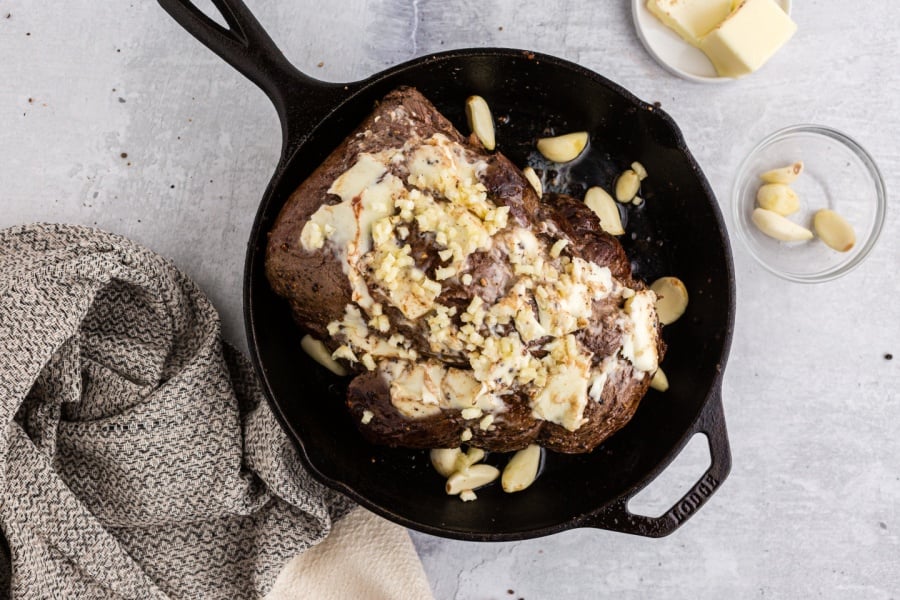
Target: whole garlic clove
point(834, 230)
point(627, 186)
point(320, 353)
point(521, 470)
point(671, 299)
point(444, 460)
point(776, 226)
point(606, 210)
point(659, 382)
point(778, 197)
point(534, 180)
point(478, 114)
point(471, 479)
point(783, 174)
point(563, 148)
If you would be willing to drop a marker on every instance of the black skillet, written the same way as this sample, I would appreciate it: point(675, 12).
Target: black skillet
point(677, 231)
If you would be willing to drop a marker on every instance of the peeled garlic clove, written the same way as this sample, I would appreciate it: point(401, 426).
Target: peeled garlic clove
point(639, 169)
point(478, 113)
point(775, 226)
point(444, 460)
point(659, 382)
point(778, 197)
point(783, 174)
point(606, 210)
point(627, 186)
point(834, 230)
point(464, 461)
point(563, 148)
point(521, 470)
point(534, 180)
point(671, 299)
point(320, 353)
point(472, 478)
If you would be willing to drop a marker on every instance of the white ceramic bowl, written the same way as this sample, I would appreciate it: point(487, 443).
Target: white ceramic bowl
point(671, 51)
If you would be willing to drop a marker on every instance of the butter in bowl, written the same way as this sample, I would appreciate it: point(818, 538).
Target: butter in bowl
point(713, 40)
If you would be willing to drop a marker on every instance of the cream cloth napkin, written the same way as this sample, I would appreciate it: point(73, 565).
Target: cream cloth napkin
point(138, 458)
point(364, 557)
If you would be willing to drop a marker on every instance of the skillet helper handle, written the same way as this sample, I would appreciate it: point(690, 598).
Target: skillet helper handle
point(617, 517)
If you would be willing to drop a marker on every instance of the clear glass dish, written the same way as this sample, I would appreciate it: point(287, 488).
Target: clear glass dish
point(838, 174)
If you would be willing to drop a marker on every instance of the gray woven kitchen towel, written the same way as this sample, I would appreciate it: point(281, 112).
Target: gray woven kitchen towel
point(139, 459)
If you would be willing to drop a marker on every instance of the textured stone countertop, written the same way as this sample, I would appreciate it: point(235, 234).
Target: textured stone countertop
point(110, 115)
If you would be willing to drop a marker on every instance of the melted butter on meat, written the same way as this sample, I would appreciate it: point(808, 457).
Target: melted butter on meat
point(522, 341)
point(367, 192)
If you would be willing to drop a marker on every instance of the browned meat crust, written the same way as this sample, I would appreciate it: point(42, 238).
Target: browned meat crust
point(318, 290)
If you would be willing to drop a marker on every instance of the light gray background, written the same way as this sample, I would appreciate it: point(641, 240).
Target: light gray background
point(811, 506)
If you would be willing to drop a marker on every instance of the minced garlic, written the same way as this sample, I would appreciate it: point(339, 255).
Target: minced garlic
point(433, 186)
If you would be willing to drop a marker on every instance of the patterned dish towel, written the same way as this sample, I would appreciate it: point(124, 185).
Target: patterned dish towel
point(139, 459)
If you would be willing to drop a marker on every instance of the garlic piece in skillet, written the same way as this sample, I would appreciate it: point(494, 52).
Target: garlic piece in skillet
point(454, 464)
point(563, 148)
point(521, 470)
point(639, 170)
point(444, 460)
point(659, 382)
point(671, 299)
point(320, 353)
point(468, 458)
point(534, 180)
point(467, 496)
point(478, 113)
point(603, 205)
point(472, 478)
point(627, 186)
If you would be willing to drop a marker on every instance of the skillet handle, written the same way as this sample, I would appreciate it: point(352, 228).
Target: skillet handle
point(617, 517)
point(247, 47)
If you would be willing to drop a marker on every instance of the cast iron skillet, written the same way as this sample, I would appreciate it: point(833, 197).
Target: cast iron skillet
point(678, 231)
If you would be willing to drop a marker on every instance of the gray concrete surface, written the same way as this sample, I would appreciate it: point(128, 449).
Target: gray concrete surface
point(110, 115)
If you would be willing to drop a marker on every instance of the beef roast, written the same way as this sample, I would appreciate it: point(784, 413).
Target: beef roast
point(468, 309)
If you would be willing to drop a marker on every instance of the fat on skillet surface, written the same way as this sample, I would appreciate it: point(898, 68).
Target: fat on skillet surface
point(677, 231)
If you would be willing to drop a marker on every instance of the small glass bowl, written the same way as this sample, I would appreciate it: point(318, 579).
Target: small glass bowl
point(837, 174)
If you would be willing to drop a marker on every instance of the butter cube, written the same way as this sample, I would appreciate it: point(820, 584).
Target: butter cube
point(691, 19)
point(748, 38)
